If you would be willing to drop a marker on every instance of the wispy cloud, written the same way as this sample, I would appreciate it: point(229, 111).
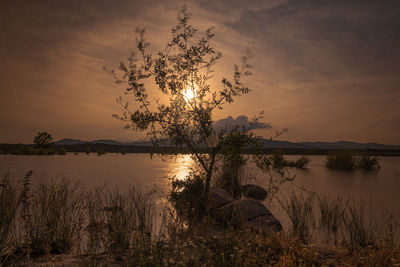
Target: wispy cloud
point(327, 70)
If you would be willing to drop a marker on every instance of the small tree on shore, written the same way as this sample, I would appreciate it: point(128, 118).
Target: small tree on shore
point(42, 139)
point(184, 115)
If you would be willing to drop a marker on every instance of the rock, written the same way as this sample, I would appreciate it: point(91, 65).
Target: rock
point(267, 223)
point(254, 191)
point(243, 212)
point(218, 197)
point(243, 209)
point(248, 212)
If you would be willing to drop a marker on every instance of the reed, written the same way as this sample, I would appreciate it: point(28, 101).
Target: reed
point(300, 208)
point(118, 227)
point(331, 211)
point(55, 210)
point(9, 203)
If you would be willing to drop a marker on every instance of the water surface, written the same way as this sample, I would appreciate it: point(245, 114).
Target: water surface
point(382, 186)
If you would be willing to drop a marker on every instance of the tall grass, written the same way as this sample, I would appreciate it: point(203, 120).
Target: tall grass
point(57, 214)
point(331, 211)
point(56, 211)
point(299, 207)
point(109, 227)
point(121, 224)
point(9, 202)
point(356, 224)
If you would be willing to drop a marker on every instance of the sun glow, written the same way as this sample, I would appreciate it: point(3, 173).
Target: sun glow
point(180, 168)
point(190, 94)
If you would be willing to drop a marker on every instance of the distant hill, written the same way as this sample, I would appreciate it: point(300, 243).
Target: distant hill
point(274, 144)
point(68, 141)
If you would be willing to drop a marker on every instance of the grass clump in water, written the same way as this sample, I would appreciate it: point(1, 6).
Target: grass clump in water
point(340, 160)
point(299, 207)
point(346, 160)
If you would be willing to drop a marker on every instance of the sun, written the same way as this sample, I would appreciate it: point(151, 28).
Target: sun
point(189, 94)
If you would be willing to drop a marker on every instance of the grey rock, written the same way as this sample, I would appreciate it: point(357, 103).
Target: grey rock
point(243, 210)
point(254, 191)
point(250, 213)
point(267, 223)
point(218, 197)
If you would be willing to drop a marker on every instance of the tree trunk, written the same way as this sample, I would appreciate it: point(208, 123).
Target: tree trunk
point(208, 176)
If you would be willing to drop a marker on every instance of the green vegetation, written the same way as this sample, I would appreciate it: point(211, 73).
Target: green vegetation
point(346, 160)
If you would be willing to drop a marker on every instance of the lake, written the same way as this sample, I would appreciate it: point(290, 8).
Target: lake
point(118, 170)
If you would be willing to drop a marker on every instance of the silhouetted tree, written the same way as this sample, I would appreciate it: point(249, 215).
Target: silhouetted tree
point(42, 139)
point(182, 72)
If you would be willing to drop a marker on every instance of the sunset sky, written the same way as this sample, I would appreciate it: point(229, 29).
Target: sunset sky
point(326, 70)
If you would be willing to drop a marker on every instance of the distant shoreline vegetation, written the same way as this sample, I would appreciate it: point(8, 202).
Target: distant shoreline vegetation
point(347, 160)
point(54, 149)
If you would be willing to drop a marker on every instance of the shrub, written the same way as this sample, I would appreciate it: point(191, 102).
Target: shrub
point(230, 173)
point(62, 151)
point(347, 161)
point(279, 162)
point(301, 162)
point(340, 160)
point(187, 197)
point(367, 162)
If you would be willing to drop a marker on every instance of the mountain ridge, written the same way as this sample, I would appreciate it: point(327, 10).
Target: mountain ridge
point(276, 144)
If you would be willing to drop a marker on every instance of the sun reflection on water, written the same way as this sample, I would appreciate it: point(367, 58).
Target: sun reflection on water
point(180, 167)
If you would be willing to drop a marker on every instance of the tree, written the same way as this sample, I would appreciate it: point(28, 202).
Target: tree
point(182, 73)
point(42, 139)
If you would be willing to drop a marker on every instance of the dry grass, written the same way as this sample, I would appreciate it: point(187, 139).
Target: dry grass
point(9, 203)
point(102, 227)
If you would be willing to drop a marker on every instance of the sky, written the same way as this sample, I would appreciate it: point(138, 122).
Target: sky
point(326, 70)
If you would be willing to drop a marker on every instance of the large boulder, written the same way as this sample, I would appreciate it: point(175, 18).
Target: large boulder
point(241, 213)
point(267, 223)
point(218, 197)
point(248, 212)
point(242, 210)
point(254, 191)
